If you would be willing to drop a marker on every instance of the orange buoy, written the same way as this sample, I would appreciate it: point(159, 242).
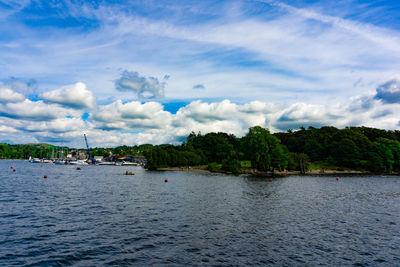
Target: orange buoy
point(14, 170)
point(270, 180)
point(45, 176)
point(166, 180)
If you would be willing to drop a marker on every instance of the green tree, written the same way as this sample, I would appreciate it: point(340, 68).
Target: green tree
point(231, 163)
point(394, 147)
point(264, 150)
point(380, 158)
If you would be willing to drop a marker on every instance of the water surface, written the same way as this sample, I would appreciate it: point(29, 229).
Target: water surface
point(97, 216)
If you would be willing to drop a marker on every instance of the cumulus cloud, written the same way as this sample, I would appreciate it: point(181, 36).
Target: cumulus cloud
point(389, 92)
point(37, 111)
point(303, 114)
point(8, 95)
point(203, 112)
point(144, 87)
point(223, 116)
point(75, 96)
point(131, 115)
point(257, 107)
point(59, 125)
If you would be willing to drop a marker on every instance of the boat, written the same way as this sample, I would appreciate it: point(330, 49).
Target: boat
point(60, 162)
point(78, 162)
point(128, 173)
point(127, 163)
point(47, 161)
point(35, 160)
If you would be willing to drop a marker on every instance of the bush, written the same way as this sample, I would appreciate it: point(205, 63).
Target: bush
point(213, 167)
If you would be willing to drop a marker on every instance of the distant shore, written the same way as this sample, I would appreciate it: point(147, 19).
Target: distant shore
point(275, 173)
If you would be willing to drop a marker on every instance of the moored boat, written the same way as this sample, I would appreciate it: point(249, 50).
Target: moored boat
point(78, 162)
point(127, 163)
point(36, 160)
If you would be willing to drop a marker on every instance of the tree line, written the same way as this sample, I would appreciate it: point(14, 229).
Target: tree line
point(24, 151)
point(357, 148)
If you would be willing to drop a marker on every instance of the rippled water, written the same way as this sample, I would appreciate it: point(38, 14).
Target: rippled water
point(97, 216)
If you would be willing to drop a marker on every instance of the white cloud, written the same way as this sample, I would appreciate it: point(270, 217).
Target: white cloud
point(59, 125)
point(204, 112)
point(8, 95)
point(75, 96)
point(131, 115)
point(144, 87)
point(36, 111)
point(7, 129)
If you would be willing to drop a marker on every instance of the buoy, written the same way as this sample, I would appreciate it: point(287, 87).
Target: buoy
point(337, 178)
point(14, 170)
point(78, 168)
point(166, 180)
point(45, 176)
point(270, 180)
point(11, 167)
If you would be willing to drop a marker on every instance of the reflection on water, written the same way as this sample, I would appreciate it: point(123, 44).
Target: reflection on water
point(98, 216)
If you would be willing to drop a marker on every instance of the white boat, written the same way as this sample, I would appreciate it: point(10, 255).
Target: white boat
point(127, 163)
point(59, 162)
point(47, 161)
point(35, 160)
point(78, 162)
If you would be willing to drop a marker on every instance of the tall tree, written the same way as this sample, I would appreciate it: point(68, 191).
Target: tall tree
point(264, 150)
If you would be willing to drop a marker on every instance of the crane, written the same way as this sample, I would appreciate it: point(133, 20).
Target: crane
point(87, 145)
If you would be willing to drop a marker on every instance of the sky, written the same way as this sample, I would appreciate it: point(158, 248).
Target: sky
point(137, 72)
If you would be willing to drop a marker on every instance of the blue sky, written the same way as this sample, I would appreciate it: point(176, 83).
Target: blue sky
point(132, 72)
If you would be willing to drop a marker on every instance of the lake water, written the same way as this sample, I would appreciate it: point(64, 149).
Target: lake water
point(97, 216)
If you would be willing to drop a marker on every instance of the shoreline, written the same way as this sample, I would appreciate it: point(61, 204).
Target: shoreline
point(315, 172)
point(277, 173)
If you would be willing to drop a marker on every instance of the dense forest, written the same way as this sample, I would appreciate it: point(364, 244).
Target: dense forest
point(355, 148)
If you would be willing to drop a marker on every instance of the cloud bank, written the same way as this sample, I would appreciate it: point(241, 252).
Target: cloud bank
point(133, 122)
